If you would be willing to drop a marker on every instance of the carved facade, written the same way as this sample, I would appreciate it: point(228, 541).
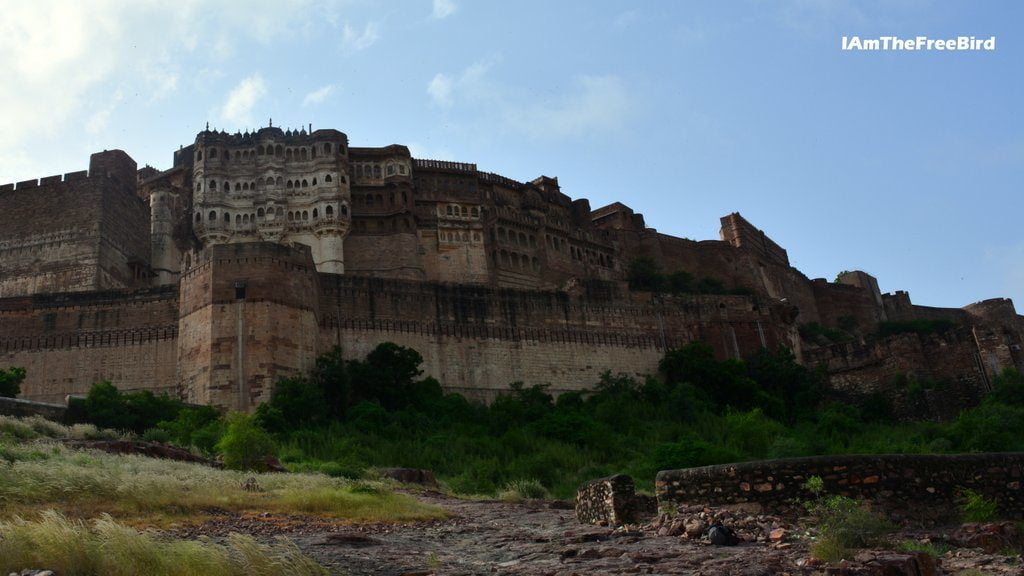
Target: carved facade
point(255, 252)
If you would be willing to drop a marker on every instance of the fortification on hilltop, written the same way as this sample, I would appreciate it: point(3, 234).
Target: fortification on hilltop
point(255, 252)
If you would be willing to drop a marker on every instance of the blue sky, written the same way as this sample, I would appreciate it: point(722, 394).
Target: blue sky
point(908, 165)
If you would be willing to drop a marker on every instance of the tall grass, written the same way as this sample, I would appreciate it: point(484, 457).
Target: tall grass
point(43, 473)
point(73, 548)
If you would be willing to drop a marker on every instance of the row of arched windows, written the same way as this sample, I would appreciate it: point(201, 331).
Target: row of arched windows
point(277, 213)
point(518, 238)
point(556, 243)
point(456, 236)
point(374, 170)
point(514, 260)
point(591, 256)
point(289, 153)
point(378, 199)
point(279, 182)
point(456, 210)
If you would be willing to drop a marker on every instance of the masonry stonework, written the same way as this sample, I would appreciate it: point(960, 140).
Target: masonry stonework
point(257, 251)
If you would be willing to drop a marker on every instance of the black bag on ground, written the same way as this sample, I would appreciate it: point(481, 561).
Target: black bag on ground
point(720, 535)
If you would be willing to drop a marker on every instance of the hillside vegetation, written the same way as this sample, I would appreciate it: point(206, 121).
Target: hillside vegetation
point(349, 416)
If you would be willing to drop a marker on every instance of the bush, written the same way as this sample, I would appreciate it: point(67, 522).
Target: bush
point(245, 446)
point(526, 489)
point(10, 381)
point(107, 407)
point(975, 507)
point(842, 523)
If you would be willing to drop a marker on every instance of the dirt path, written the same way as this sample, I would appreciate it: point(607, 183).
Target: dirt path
point(544, 538)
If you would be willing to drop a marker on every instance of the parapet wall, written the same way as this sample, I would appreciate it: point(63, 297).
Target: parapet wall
point(737, 231)
point(906, 485)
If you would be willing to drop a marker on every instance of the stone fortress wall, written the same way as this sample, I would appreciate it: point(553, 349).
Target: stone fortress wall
point(255, 252)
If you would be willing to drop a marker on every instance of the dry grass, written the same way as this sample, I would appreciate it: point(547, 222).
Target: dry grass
point(42, 474)
point(38, 473)
point(73, 548)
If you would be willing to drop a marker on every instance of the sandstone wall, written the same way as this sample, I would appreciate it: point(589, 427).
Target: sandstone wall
point(68, 342)
point(477, 340)
point(248, 318)
point(908, 485)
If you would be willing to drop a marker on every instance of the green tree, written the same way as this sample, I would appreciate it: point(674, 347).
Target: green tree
point(10, 381)
point(245, 446)
point(644, 274)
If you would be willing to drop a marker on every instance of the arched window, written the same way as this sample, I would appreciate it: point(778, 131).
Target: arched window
point(376, 170)
point(305, 184)
point(291, 216)
point(245, 186)
point(238, 187)
point(305, 215)
point(199, 217)
point(475, 211)
point(314, 181)
point(212, 216)
point(213, 184)
point(227, 218)
point(448, 210)
point(303, 155)
point(288, 185)
point(344, 209)
point(245, 219)
point(315, 214)
point(312, 152)
point(401, 169)
point(199, 186)
point(280, 212)
point(280, 181)
point(327, 178)
point(279, 150)
point(330, 210)
point(327, 148)
point(199, 155)
point(238, 219)
point(261, 213)
point(391, 169)
point(213, 152)
point(465, 212)
point(288, 154)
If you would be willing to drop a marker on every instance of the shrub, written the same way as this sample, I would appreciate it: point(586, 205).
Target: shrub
point(842, 523)
point(975, 507)
point(245, 446)
point(518, 490)
point(10, 381)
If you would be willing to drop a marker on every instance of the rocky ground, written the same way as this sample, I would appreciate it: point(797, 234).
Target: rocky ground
point(544, 538)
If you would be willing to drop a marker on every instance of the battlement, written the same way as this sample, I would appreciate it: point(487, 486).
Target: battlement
point(444, 165)
point(48, 181)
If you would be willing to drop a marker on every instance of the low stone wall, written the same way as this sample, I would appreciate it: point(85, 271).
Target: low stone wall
point(22, 408)
point(904, 485)
point(613, 501)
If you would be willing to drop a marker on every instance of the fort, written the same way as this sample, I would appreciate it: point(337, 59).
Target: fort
point(256, 252)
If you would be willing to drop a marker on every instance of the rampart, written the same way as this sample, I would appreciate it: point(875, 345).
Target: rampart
point(80, 232)
point(66, 342)
point(907, 485)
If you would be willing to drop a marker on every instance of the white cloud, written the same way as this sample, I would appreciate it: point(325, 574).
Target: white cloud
point(440, 90)
point(318, 96)
point(237, 110)
point(444, 8)
point(354, 41)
